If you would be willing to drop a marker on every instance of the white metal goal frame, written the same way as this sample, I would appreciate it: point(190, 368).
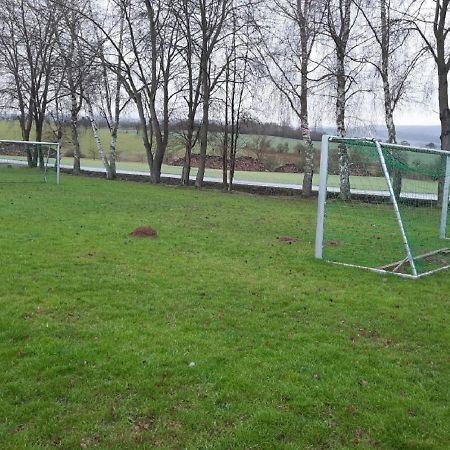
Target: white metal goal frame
point(322, 200)
point(49, 146)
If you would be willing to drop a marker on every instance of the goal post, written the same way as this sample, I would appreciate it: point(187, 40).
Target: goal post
point(396, 220)
point(445, 200)
point(30, 161)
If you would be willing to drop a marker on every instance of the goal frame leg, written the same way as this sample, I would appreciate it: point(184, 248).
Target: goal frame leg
point(322, 196)
point(398, 215)
point(445, 199)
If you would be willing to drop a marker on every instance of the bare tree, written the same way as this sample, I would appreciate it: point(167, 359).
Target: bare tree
point(211, 18)
point(190, 51)
point(29, 33)
point(237, 79)
point(145, 66)
point(337, 26)
point(431, 20)
point(13, 65)
point(388, 54)
point(77, 63)
point(288, 63)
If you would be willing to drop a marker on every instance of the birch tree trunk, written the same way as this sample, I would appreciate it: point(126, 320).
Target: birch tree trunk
point(306, 134)
point(205, 121)
point(344, 164)
point(98, 142)
point(388, 99)
point(74, 132)
point(307, 37)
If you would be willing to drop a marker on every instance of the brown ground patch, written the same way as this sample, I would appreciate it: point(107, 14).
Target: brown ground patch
point(147, 232)
point(245, 163)
point(289, 168)
point(440, 261)
point(287, 239)
point(332, 243)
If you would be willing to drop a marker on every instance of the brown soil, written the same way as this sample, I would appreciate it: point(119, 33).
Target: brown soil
point(287, 239)
point(289, 168)
point(437, 260)
point(144, 232)
point(8, 151)
point(245, 163)
point(332, 243)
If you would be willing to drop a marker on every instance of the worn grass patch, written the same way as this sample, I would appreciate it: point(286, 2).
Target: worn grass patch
point(98, 331)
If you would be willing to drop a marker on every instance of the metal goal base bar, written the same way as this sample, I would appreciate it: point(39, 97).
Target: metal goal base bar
point(390, 272)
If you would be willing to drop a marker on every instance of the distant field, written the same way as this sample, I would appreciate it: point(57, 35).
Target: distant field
point(130, 147)
point(131, 156)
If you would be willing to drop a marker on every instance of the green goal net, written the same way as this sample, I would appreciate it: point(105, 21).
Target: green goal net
point(29, 162)
point(383, 206)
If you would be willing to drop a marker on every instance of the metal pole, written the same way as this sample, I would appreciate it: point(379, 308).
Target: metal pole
point(445, 194)
point(397, 211)
point(322, 196)
point(46, 163)
point(58, 162)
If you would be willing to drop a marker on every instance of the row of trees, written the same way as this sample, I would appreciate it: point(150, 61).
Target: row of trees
point(203, 60)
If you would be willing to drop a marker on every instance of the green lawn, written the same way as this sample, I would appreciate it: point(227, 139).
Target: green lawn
point(214, 335)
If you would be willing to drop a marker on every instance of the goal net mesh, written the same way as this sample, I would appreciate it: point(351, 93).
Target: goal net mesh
point(28, 162)
point(366, 230)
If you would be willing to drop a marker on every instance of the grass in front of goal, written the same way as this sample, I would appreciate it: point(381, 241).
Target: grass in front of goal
point(216, 334)
point(368, 234)
point(18, 172)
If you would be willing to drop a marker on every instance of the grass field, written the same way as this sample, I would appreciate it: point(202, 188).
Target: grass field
point(214, 335)
point(357, 182)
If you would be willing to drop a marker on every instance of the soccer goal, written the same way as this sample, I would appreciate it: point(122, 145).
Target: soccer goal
point(383, 207)
point(29, 162)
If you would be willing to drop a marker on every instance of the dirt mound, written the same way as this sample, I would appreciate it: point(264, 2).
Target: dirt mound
point(245, 163)
point(147, 232)
point(10, 151)
point(289, 168)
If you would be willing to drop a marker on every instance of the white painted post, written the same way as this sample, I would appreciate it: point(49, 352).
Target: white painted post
point(445, 195)
point(58, 162)
point(322, 196)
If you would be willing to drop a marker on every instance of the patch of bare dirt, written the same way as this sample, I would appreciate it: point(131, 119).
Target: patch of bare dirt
point(289, 168)
point(287, 239)
point(436, 260)
point(244, 163)
point(332, 243)
point(146, 232)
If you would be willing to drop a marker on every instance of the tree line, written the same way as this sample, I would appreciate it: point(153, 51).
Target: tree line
point(203, 62)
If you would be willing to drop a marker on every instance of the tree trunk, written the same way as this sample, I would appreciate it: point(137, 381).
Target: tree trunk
point(98, 142)
point(205, 122)
point(186, 173)
point(75, 137)
point(39, 154)
point(112, 153)
point(304, 122)
point(188, 151)
point(344, 165)
point(225, 134)
point(146, 138)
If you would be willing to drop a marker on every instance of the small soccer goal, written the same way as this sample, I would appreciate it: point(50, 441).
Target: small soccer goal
point(29, 162)
point(383, 207)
